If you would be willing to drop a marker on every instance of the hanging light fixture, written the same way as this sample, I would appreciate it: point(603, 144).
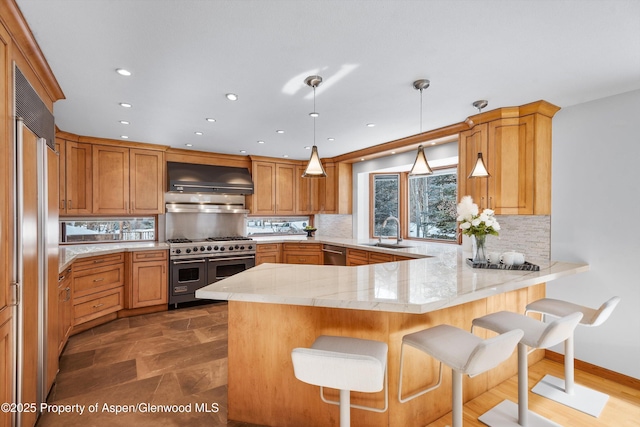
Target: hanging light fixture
point(421, 166)
point(314, 167)
point(479, 169)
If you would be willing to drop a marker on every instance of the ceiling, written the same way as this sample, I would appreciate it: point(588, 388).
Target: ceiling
point(185, 56)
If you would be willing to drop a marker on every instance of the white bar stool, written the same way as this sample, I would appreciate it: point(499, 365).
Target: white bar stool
point(463, 352)
point(537, 334)
point(347, 364)
point(584, 399)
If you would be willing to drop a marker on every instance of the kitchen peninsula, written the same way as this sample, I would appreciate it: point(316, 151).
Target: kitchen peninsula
point(274, 308)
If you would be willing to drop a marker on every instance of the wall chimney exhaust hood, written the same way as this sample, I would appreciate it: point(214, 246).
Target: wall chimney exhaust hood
point(194, 178)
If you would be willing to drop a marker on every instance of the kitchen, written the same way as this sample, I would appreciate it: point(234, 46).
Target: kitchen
point(578, 129)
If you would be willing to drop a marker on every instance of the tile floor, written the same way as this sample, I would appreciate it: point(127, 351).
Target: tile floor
point(176, 357)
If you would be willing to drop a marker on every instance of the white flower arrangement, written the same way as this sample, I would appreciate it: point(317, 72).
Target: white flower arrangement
point(474, 224)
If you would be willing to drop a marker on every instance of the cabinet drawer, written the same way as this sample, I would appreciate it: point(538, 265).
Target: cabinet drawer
point(302, 247)
point(357, 253)
point(402, 258)
point(98, 305)
point(92, 262)
point(303, 258)
point(375, 257)
point(139, 256)
point(352, 262)
point(267, 247)
point(98, 279)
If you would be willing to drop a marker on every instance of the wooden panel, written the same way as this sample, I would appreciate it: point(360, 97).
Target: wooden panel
point(78, 178)
point(147, 181)
point(65, 309)
point(97, 279)
point(302, 247)
point(329, 190)
point(542, 165)
point(149, 255)
point(267, 247)
point(61, 149)
point(85, 263)
point(51, 280)
point(303, 258)
point(304, 192)
point(149, 284)
point(264, 180)
point(471, 143)
point(285, 189)
point(357, 255)
point(97, 305)
point(7, 367)
point(268, 252)
point(375, 257)
point(401, 258)
point(110, 180)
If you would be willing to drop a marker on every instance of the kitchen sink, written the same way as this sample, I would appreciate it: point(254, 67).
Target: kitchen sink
point(387, 245)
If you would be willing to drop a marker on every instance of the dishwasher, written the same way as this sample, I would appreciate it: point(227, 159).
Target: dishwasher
point(334, 255)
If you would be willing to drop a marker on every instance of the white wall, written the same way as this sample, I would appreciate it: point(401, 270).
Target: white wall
point(595, 218)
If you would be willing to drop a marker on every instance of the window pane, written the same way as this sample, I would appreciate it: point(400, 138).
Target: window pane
point(276, 226)
point(107, 230)
point(432, 206)
point(386, 203)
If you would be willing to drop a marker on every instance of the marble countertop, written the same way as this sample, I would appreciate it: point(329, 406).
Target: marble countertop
point(68, 253)
point(440, 278)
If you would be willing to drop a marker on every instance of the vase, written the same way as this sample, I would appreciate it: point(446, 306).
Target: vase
point(479, 248)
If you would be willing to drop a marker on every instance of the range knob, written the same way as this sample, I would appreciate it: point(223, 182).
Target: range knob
point(188, 250)
point(221, 248)
point(230, 248)
point(237, 246)
point(215, 248)
point(201, 248)
point(195, 249)
point(208, 248)
point(241, 247)
point(178, 251)
point(250, 247)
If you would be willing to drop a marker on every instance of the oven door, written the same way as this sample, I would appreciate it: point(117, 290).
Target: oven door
point(186, 277)
point(220, 268)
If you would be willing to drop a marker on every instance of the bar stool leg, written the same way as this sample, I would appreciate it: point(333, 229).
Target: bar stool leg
point(568, 366)
point(523, 389)
point(345, 408)
point(456, 400)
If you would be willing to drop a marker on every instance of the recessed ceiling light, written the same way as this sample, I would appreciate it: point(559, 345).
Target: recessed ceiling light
point(243, 151)
point(362, 160)
point(198, 133)
point(393, 152)
point(261, 142)
point(370, 125)
point(125, 105)
point(124, 122)
point(285, 155)
point(232, 96)
point(433, 143)
point(124, 137)
point(314, 114)
point(210, 119)
point(189, 145)
point(279, 131)
point(307, 148)
point(123, 72)
point(331, 139)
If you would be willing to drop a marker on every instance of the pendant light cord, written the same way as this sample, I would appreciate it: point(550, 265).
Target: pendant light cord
point(314, 115)
point(420, 110)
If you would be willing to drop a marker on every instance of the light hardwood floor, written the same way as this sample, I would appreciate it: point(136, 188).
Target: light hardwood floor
point(180, 357)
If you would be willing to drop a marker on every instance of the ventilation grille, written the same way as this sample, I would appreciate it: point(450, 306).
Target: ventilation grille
point(33, 111)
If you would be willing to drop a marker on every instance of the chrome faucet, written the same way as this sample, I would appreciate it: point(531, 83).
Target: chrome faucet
point(384, 224)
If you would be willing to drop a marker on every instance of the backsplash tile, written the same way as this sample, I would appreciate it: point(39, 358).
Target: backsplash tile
point(529, 234)
point(334, 226)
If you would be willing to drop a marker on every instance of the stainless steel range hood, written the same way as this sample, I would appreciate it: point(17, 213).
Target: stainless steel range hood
point(195, 178)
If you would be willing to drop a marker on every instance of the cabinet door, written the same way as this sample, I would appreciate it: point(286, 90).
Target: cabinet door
point(510, 164)
point(61, 149)
point(78, 179)
point(264, 196)
point(147, 184)
point(149, 283)
point(285, 189)
point(328, 190)
point(110, 180)
point(472, 142)
point(305, 186)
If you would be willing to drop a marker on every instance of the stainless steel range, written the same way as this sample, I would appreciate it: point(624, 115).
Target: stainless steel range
point(194, 264)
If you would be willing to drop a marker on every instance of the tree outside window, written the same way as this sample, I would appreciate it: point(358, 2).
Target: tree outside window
point(386, 203)
point(432, 206)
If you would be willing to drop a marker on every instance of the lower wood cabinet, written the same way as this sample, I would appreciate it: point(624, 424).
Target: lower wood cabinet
point(65, 308)
point(149, 279)
point(302, 253)
point(268, 252)
point(357, 257)
point(363, 257)
point(98, 287)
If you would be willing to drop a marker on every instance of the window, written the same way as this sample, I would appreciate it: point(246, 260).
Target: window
point(425, 205)
point(276, 226)
point(385, 203)
point(432, 206)
point(102, 230)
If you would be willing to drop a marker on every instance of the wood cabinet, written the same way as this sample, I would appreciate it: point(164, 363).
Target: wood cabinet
point(516, 147)
point(65, 308)
point(306, 192)
point(98, 286)
point(76, 178)
point(275, 188)
point(146, 181)
point(334, 193)
point(268, 252)
point(302, 253)
point(357, 257)
point(148, 283)
point(364, 257)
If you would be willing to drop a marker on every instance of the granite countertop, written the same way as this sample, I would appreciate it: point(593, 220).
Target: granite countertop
point(439, 278)
point(68, 253)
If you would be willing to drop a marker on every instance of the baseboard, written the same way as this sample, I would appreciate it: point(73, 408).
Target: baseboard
point(142, 310)
point(596, 370)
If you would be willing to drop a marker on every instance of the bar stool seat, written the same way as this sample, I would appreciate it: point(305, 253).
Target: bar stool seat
point(347, 364)
point(537, 334)
point(565, 391)
point(463, 352)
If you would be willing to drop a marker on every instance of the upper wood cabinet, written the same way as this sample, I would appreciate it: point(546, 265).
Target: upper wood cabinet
point(76, 178)
point(516, 147)
point(274, 188)
point(110, 180)
point(146, 181)
point(334, 193)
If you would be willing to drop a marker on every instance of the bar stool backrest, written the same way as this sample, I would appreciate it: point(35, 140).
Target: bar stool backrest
point(558, 330)
point(603, 312)
point(491, 352)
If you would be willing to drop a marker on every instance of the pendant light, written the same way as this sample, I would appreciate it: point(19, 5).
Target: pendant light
point(421, 166)
point(314, 168)
point(479, 169)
